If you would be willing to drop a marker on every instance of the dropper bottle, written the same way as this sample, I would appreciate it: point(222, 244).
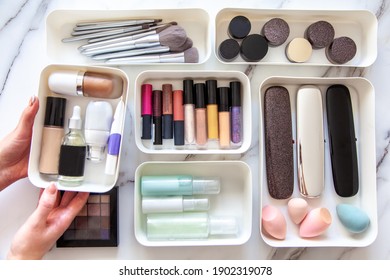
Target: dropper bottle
point(73, 152)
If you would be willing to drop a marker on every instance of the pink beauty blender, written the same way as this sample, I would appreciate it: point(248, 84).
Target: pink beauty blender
point(273, 222)
point(315, 222)
point(297, 209)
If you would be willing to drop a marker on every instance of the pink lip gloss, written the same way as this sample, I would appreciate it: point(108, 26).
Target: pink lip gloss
point(146, 111)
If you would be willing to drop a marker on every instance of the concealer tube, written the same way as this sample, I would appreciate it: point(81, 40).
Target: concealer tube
point(52, 134)
point(212, 110)
point(189, 112)
point(167, 111)
point(200, 114)
point(178, 118)
point(235, 112)
point(157, 117)
point(224, 117)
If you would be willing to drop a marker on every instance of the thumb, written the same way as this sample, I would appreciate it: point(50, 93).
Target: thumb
point(27, 119)
point(46, 202)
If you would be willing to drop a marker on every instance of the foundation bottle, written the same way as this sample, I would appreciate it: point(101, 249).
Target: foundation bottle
point(52, 134)
point(73, 152)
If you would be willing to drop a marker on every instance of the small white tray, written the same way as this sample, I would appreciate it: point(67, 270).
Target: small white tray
point(360, 25)
point(158, 78)
point(59, 25)
point(95, 179)
point(234, 199)
point(363, 104)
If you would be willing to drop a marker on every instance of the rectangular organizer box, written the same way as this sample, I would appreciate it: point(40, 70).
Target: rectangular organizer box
point(363, 104)
point(234, 198)
point(158, 78)
point(359, 25)
point(59, 25)
point(95, 179)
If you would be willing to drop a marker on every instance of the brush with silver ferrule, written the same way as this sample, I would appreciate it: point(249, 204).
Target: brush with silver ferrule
point(104, 33)
point(113, 23)
point(107, 40)
point(171, 36)
point(188, 56)
point(151, 48)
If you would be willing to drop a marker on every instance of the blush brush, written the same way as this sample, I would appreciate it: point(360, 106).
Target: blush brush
point(190, 55)
point(172, 36)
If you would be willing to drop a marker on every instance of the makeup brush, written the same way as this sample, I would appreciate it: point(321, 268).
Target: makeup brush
point(157, 49)
point(172, 36)
point(188, 56)
point(118, 38)
point(113, 23)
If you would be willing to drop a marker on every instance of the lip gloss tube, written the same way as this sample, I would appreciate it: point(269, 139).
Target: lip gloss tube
point(178, 118)
point(200, 114)
point(167, 111)
point(157, 117)
point(212, 110)
point(146, 111)
point(235, 112)
point(189, 111)
point(224, 117)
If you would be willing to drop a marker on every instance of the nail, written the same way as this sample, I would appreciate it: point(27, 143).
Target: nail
point(32, 100)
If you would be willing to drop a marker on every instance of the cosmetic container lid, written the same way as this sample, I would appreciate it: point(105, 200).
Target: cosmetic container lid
point(254, 48)
point(55, 111)
point(235, 89)
point(229, 49)
point(223, 103)
point(98, 119)
point(223, 225)
point(206, 185)
point(211, 89)
point(75, 121)
point(169, 204)
point(200, 96)
point(239, 27)
point(69, 82)
point(188, 91)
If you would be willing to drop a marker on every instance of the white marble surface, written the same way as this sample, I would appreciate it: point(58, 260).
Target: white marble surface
point(23, 56)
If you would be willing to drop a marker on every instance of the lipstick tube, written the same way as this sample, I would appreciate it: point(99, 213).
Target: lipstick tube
point(212, 110)
point(235, 112)
point(146, 111)
point(167, 111)
point(189, 112)
point(157, 117)
point(224, 117)
point(200, 114)
point(178, 118)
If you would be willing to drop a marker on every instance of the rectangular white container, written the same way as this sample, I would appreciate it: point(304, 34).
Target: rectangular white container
point(95, 179)
point(59, 25)
point(158, 78)
point(363, 104)
point(234, 199)
point(360, 25)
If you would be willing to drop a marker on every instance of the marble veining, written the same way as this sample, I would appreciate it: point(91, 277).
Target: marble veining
point(23, 55)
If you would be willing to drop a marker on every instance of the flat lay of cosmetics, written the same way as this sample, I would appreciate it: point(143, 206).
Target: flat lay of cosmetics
point(316, 147)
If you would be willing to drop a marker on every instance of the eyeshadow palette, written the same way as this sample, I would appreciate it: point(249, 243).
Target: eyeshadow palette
point(97, 223)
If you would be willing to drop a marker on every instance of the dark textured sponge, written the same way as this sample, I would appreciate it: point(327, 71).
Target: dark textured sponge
point(320, 34)
point(341, 50)
point(276, 31)
point(278, 142)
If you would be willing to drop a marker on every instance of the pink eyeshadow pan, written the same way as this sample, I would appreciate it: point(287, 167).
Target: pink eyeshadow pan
point(105, 210)
point(93, 209)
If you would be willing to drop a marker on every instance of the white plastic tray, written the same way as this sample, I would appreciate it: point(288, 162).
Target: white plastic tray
point(59, 25)
point(363, 104)
point(234, 199)
point(158, 78)
point(95, 179)
point(360, 25)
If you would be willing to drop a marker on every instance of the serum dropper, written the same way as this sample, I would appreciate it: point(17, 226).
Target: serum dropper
point(73, 152)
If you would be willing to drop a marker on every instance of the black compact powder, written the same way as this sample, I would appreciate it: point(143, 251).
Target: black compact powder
point(97, 223)
point(341, 50)
point(320, 34)
point(276, 31)
point(239, 27)
point(229, 49)
point(254, 48)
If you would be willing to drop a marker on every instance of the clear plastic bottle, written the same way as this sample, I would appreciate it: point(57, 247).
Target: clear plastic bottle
point(72, 153)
